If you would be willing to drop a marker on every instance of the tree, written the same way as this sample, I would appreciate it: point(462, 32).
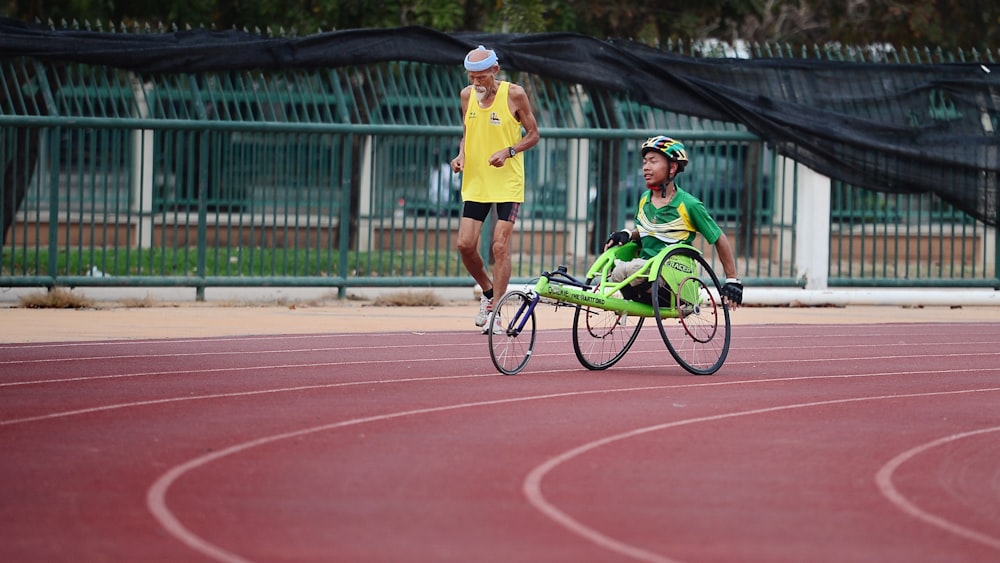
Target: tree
point(947, 24)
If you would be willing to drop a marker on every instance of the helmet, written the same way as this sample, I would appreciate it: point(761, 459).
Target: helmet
point(673, 150)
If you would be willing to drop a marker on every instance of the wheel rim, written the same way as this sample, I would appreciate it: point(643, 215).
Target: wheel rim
point(511, 349)
point(696, 329)
point(602, 337)
point(702, 322)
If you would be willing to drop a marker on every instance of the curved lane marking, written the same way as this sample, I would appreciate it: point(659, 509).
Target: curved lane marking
point(157, 494)
point(470, 358)
point(116, 406)
point(227, 395)
point(532, 486)
point(220, 353)
point(884, 481)
point(918, 329)
point(230, 370)
point(209, 339)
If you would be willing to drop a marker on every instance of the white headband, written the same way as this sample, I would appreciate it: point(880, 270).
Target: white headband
point(485, 64)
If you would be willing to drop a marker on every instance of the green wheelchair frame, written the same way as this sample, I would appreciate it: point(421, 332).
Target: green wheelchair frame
point(684, 298)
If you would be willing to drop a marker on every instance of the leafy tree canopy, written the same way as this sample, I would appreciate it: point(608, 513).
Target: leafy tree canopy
point(946, 24)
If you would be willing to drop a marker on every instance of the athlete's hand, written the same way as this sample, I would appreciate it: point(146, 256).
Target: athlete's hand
point(498, 158)
point(732, 292)
point(618, 238)
point(457, 164)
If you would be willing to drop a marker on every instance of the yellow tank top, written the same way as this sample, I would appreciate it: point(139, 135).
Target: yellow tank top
point(488, 130)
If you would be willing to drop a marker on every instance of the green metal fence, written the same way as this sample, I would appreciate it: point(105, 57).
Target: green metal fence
point(332, 178)
point(905, 239)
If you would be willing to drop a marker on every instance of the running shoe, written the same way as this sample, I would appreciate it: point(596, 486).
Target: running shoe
point(485, 308)
point(497, 325)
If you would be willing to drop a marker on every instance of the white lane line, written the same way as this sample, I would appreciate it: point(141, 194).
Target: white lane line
point(226, 353)
point(116, 406)
point(884, 481)
point(532, 485)
point(470, 358)
point(103, 408)
point(231, 369)
point(205, 339)
point(156, 496)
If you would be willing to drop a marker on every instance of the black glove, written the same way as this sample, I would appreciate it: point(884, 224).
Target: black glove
point(733, 290)
point(619, 238)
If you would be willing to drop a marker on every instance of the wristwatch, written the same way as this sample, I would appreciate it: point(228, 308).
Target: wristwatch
point(511, 151)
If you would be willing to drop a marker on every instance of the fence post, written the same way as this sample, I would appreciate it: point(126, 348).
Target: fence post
point(204, 146)
point(578, 194)
point(366, 195)
point(812, 254)
point(142, 166)
point(50, 163)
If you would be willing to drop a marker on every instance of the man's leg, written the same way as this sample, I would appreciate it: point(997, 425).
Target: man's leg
point(468, 247)
point(501, 254)
point(637, 290)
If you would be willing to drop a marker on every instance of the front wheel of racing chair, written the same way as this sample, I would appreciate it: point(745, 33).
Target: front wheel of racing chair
point(601, 336)
point(692, 318)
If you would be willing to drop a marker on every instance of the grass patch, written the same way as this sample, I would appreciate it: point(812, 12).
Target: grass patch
point(136, 303)
point(57, 298)
point(228, 262)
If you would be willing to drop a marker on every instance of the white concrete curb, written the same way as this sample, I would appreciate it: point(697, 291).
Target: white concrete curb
point(958, 297)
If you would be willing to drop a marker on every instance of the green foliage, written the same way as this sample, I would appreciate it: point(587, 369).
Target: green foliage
point(945, 24)
point(445, 15)
point(523, 16)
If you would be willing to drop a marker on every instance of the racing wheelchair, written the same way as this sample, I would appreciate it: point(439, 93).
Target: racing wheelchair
point(683, 297)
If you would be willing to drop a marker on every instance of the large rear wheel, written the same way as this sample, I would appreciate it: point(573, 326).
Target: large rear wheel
point(694, 322)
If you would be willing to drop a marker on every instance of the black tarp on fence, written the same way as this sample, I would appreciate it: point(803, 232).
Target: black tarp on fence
point(905, 128)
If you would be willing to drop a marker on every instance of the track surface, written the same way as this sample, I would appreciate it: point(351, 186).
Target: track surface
point(813, 443)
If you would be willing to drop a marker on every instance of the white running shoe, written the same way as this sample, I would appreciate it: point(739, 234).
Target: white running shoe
point(485, 308)
point(497, 326)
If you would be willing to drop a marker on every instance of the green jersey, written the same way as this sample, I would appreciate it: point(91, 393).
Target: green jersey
point(679, 221)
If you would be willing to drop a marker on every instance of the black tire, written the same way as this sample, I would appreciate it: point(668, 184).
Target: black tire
point(510, 349)
point(601, 337)
point(696, 329)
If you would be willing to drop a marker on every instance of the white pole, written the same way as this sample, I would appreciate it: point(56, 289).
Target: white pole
point(365, 193)
point(578, 188)
point(142, 166)
point(812, 256)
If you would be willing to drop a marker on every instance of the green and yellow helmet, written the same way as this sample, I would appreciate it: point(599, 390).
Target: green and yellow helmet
point(673, 150)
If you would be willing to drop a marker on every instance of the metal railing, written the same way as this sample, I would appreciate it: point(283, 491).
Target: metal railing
point(323, 178)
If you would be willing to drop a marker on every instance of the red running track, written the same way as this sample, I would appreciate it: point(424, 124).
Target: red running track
point(813, 443)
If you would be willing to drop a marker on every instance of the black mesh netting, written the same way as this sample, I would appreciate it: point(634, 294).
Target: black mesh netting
point(906, 128)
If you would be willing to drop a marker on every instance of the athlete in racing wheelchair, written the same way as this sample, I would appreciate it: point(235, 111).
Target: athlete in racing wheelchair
point(668, 215)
